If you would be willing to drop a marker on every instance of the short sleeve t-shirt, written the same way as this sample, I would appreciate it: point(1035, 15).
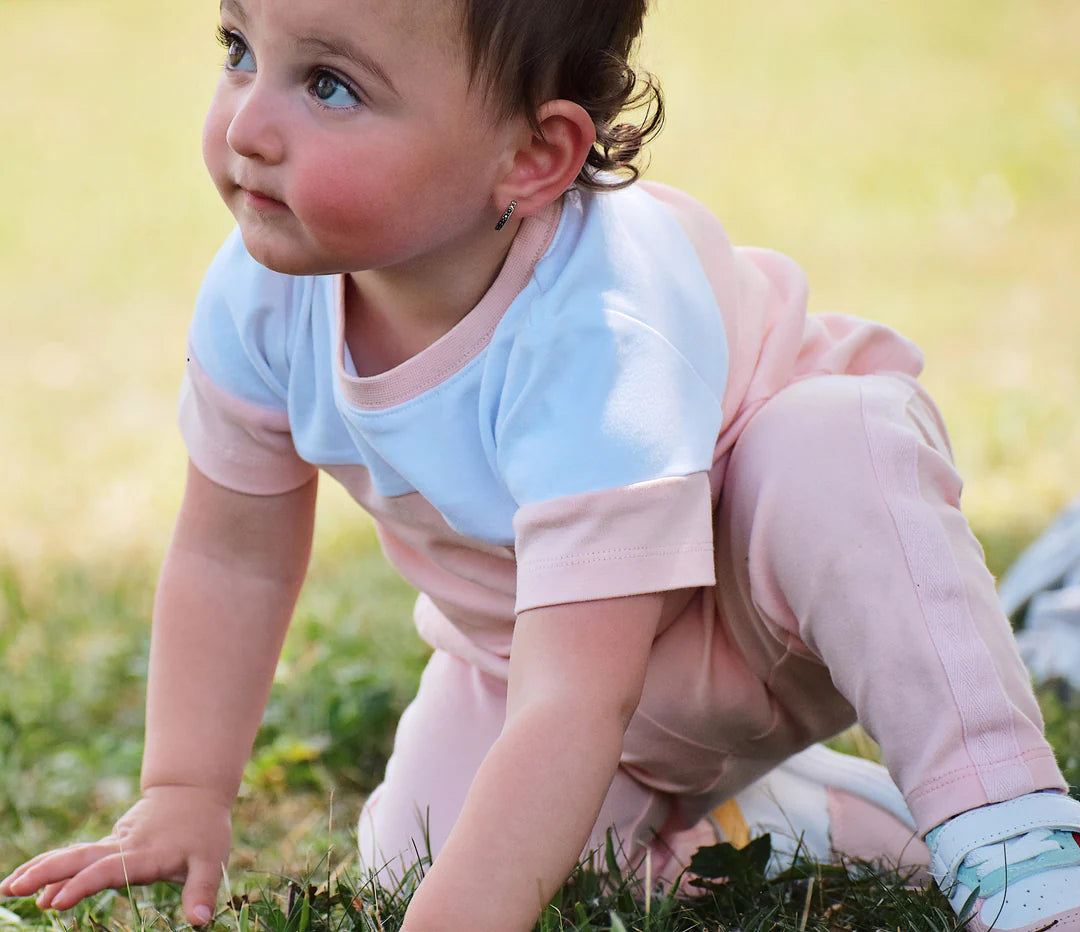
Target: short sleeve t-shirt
point(557, 445)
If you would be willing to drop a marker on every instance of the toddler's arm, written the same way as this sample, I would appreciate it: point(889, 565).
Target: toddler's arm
point(226, 593)
point(576, 674)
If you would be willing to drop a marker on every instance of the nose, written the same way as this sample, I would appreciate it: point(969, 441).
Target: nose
point(255, 130)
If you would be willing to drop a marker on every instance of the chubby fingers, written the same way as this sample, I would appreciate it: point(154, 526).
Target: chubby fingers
point(54, 866)
point(113, 871)
point(46, 896)
point(10, 885)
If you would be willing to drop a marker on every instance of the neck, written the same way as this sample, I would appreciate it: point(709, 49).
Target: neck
point(391, 314)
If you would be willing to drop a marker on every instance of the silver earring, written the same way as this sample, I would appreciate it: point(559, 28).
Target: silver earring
point(506, 216)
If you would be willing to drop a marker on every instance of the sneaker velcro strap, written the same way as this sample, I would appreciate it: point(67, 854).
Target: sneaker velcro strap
point(1057, 850)
point(951, 842)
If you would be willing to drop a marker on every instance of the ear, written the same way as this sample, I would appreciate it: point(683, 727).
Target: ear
point(545, 164)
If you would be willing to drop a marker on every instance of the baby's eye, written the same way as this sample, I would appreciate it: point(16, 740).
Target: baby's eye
point(237, 55)
point(332, 91)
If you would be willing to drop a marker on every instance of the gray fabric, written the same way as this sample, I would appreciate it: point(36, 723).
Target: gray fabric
point(1041, 594)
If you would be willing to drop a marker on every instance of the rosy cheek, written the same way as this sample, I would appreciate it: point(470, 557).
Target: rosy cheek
point(343, 196)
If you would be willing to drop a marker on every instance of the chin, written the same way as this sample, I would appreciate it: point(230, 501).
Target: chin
point(282, 265)
point(277, 259)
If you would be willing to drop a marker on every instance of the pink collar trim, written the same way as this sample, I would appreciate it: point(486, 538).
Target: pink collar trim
point(456, 348)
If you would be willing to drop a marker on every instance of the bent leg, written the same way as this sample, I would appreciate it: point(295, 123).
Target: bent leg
point(441, 741)
point(841, 540)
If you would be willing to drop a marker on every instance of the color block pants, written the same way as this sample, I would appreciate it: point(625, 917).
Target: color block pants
point(848, 586)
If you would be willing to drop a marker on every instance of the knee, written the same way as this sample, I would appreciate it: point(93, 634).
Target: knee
point(803, 509)
point(825, 441)
point(806, 445)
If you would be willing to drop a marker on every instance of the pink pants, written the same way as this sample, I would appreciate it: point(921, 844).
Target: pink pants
point(848, 586)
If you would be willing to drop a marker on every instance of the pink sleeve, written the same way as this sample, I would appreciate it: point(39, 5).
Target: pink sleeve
point(652, 536)
point(242, 446)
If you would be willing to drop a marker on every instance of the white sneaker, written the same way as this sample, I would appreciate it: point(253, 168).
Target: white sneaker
point(822, 805)
point(1012, 866)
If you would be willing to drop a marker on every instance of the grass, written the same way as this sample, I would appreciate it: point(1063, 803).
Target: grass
point(921, 160)
point(804, 897)
point(74, 644)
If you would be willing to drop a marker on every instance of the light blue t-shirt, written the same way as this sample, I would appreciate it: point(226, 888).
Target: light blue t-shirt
point(598, 360)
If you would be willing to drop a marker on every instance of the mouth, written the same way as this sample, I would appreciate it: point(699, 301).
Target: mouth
point(260, 200)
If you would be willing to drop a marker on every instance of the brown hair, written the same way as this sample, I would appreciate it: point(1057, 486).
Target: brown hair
point(528, 51)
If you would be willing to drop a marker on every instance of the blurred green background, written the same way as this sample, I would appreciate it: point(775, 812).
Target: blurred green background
point(920, 159)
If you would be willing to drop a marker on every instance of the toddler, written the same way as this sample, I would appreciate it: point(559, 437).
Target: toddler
point(669, 531)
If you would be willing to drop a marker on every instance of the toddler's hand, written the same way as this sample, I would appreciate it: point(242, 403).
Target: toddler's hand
point(173, 833)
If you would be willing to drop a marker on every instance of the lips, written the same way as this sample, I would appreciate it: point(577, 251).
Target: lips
point(259, 199)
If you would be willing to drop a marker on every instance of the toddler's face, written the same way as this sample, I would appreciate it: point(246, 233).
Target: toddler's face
point(344, 134)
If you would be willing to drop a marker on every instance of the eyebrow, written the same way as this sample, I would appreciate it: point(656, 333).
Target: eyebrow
point(234, 7)
point(340, 48)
